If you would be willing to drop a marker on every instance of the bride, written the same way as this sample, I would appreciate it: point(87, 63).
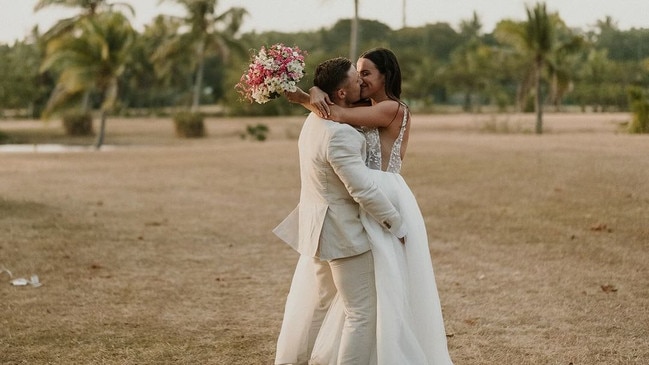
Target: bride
point(410, 326)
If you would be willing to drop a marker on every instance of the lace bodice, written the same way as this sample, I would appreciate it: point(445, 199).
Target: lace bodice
point(373, 140)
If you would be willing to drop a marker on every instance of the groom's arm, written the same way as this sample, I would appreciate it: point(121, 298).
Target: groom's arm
point(344, 155)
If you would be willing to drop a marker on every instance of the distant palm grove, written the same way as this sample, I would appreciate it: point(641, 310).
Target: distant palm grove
point(97, 61)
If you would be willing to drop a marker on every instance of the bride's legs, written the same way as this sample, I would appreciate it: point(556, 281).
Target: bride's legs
point(354, 279)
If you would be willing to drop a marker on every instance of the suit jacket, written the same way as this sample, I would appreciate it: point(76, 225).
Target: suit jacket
point(335, 185)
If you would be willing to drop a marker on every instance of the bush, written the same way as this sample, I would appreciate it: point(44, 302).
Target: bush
point(495, 125)
point(189, 125)
point(640, 108)
point(4, 137)
point(78, 124)
point(258, 132)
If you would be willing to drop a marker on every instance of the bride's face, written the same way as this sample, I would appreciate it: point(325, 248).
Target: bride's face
point(373, 80)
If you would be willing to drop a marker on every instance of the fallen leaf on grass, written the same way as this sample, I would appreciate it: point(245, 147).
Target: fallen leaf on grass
point(607, 288)
point(600, 227)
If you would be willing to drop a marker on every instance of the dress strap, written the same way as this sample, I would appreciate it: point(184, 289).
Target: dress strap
point(394, 165)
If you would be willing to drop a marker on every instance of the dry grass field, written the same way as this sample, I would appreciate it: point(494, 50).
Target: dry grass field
point(158, 250)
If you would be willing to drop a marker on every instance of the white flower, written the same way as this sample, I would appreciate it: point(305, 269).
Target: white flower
point(274, 70)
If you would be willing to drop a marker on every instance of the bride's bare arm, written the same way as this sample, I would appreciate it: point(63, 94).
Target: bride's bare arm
point(377, 115)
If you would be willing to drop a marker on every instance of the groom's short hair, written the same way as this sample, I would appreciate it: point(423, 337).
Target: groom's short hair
point(330, 74)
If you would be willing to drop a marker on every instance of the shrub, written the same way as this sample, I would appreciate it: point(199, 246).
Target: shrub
point(78, 124)
point(258, 132)
point(189, 125)
point(4, 137)
point(495, 125)
point(640, 108)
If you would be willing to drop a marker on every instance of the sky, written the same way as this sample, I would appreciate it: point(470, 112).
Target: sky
point(17, 17)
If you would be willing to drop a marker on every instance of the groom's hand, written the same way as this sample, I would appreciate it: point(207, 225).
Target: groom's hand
point(401, 233)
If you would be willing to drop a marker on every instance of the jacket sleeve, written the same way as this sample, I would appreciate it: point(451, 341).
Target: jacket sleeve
point(344, 155)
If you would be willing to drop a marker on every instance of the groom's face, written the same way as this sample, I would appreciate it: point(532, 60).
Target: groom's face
point(352, 86)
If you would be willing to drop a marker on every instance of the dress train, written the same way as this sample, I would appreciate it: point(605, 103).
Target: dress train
point(410, 326)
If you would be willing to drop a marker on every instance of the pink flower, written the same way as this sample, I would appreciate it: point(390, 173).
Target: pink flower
point(272, 71)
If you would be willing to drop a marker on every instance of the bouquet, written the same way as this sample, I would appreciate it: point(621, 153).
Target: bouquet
point(272, 71)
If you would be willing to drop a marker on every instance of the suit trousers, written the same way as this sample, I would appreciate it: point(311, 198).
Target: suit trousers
point(353, 279)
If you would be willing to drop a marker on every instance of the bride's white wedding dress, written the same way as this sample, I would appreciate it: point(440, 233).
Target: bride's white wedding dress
point(410, 326)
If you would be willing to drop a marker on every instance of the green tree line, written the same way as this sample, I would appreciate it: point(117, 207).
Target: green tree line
point(97, 60)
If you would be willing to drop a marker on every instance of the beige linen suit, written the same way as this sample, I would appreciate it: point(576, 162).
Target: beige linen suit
point(335, 185)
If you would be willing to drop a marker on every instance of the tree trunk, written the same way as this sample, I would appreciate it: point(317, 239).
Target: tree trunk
point(467, 102)
point(198, 82)
point(102, 130)
point(538, 103)
point(85, 101)
point(353, 44)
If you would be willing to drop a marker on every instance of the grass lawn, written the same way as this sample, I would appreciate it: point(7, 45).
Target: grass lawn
point(158, 250)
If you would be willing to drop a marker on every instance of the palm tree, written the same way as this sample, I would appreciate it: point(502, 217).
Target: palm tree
point(353, 34)
point(533, 41)
point(89, 59)
point(564, 63)
point(89, 8)
point(544, 43)
point(64, 27)
point(208, 33)
point(539, 40)
point(471, 63)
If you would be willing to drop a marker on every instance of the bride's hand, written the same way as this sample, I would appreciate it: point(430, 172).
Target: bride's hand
point(320, 100)
point(335, 113)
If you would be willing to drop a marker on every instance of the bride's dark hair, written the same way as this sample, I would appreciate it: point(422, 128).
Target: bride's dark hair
point(387, 64)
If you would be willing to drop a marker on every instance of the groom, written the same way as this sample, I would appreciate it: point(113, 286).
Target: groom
point(335, 185)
